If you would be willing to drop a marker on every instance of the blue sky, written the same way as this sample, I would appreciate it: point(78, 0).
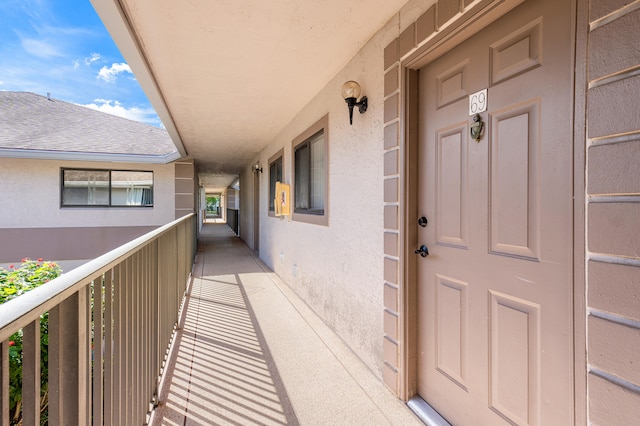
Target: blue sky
point(62, 47)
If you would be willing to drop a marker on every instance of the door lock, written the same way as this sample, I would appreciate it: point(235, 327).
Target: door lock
point(423, 221)
point(422, 251)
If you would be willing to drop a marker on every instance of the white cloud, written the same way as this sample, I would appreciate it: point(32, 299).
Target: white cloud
point(109, 74)
point(113, 107)
point(93, 58)
point(88, 61)
point(40, 48)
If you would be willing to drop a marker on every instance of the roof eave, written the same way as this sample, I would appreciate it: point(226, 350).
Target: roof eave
point(36, 154)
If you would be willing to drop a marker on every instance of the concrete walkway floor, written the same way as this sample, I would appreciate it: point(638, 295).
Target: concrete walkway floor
point(250, 352)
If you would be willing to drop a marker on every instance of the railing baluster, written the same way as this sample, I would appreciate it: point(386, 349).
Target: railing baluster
point(84, 355)
point(137, 339)
point(110, 324)
point(31, 374)
point(4, 382)
point(98, 351)
point(174, 275)
point(143, 387)
point(158, 354)
point(163, 275)
point(148, 353)
point(117, 409)
point(128, 288)
point(108, 347)
point(55, 382)
point(64, 363)
point(144, 383)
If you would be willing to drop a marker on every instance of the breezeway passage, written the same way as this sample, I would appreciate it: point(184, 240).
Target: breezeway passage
point(250, 352)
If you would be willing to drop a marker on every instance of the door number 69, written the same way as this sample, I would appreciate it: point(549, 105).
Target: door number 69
point(478, 102)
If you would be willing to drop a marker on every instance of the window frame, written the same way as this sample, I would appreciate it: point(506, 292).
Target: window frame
point(110, 204)
point(303, 138)
point(274, 158)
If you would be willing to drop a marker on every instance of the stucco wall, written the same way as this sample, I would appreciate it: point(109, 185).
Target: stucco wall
point(32, 223)
point(30, 197)
point(338, 269)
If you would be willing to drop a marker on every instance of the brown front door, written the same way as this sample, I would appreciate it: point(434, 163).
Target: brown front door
point(495, 294)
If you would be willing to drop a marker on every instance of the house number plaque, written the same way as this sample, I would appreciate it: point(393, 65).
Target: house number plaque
point(478, 102)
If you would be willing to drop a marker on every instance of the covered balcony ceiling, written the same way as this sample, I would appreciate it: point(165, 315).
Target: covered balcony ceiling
point(226, 76)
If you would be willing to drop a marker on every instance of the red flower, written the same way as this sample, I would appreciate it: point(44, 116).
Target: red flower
point(40, 259)
point(11, 266)
point(12, 343)
point(24, 259)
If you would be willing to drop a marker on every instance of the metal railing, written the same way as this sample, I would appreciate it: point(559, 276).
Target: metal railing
point(110, 325)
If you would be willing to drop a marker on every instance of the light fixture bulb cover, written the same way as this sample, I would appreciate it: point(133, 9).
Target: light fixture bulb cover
point(351, 89)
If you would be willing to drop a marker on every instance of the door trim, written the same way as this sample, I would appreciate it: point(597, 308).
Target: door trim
point(468, 24)
point(256, 211)
point(580, 24)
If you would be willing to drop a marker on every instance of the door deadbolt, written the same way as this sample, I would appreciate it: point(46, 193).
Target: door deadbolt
point(423, 221)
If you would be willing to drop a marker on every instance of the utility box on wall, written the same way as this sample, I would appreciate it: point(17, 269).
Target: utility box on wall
point(282, 202)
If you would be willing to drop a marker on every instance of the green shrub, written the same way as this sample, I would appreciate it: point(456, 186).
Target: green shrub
point(13, 283)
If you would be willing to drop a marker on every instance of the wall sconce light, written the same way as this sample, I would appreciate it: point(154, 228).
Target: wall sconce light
point(350, 93)
point(257, 168)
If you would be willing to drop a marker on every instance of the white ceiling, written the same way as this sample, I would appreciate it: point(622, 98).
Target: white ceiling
point(226, 76)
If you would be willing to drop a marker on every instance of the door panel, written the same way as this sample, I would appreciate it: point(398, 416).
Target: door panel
point(515, 349)
point(451, 184)
point(451, 340)
point(514, 180)
point(495, 293)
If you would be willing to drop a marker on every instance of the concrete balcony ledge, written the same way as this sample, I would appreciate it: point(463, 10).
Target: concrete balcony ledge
point(251, 352)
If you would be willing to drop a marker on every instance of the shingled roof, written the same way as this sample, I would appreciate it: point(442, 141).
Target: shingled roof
point(35, 126)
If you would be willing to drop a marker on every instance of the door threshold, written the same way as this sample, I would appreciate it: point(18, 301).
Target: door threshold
point(426, 413)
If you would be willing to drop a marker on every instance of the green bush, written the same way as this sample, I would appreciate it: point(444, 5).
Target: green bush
point(13, 283)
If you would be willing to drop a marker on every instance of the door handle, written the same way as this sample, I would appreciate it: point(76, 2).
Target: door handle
point(422, 251)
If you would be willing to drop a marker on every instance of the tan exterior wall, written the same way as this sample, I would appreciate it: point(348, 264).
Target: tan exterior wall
point(613, 212)
point(338, 269)
point(32, 221)
point(186, 188)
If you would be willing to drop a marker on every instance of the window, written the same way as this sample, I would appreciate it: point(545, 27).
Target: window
point(310, 157)
point(106, 188)
point(275, 175)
